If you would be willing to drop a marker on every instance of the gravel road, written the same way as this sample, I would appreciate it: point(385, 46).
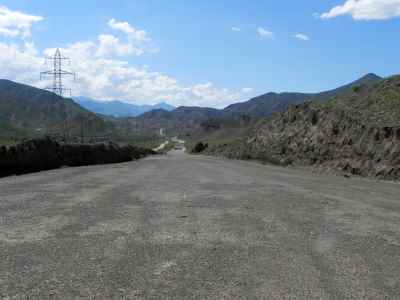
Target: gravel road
point(195, 227)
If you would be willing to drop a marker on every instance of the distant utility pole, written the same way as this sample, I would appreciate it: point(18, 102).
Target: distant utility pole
point(57, 73)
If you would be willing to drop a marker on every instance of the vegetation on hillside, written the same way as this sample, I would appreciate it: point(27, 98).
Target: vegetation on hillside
point(28, 111)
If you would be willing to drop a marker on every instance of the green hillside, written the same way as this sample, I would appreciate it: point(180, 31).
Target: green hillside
point(25, 110)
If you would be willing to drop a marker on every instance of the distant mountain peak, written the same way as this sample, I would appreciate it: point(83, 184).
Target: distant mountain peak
point(118, 108)
point(269, 103)
point(373, 75)
point(369, 77)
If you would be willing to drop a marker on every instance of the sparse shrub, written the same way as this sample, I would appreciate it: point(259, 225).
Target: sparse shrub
point(356, 89)
point(199, 147)
point(314, 118)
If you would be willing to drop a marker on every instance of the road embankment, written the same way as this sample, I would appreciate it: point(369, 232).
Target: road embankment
point(45, 154)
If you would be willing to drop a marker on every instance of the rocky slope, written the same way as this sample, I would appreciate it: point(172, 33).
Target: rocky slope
point(357, 134)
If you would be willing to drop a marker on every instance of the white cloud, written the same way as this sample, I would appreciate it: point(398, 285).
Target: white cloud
point(110, 78)
point(247, 90)
point(15, 23)
point(20, 63)
point(132, 33)
point(101, 74)
point(316, 15)
point(237, 29)
point(302, 36)
point(136, 41)
point(111, 45)
point(366, 9)
point(264, 33)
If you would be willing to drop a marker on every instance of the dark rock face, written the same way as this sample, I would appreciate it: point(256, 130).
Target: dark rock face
point(45, 154)
point(328, 139)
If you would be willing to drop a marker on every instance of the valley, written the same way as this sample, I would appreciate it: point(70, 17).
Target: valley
point(351, 130)
point(199, 150)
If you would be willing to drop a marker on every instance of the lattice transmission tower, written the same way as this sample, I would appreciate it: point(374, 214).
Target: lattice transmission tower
point(57, 73)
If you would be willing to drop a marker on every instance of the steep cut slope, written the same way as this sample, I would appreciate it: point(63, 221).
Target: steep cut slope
point(27, 108)
point(358, 133)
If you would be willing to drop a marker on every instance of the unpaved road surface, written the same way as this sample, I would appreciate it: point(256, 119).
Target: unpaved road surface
point(185, 227)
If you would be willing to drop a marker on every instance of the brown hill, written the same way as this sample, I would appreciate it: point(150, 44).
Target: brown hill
point(358, 133)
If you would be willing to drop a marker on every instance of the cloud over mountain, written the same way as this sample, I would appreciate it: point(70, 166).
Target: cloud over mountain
point(102, 71)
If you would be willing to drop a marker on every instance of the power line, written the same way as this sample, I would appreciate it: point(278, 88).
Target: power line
point(57, 73)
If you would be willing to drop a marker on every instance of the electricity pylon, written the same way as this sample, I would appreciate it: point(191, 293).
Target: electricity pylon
point(57, 73)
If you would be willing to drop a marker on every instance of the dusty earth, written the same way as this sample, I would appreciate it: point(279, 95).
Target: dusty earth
point(195, 227)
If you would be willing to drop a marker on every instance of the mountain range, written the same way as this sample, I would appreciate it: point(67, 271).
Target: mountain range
point(119, 108)
point(28, 110)
point(185, 120)
point(353, 129)
point(267, 104)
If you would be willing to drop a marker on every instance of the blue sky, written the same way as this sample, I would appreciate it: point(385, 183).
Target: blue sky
point(207, 53)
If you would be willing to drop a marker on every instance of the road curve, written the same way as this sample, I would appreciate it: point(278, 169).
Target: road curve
point(193, 227)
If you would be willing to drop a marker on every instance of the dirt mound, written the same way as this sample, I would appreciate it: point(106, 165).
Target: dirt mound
point(45, 154)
